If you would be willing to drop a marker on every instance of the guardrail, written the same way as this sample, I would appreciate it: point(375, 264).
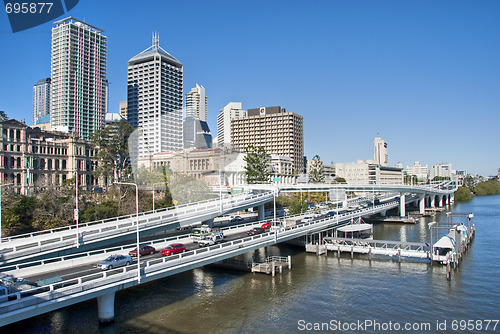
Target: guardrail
point(76, 288)
point(114, 228)
point(290, 230)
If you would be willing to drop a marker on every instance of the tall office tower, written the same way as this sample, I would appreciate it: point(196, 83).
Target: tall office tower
point(79, 86)
point(196, 103)
point(380, 155)
point(231, 110)
point(196, 133)
point(155, 100)
point(41, 99)
point(273, 128)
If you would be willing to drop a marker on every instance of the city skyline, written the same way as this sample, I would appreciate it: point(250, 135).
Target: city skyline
point(421, 75)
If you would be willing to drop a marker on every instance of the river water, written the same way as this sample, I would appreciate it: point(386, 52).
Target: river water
point(318, 293)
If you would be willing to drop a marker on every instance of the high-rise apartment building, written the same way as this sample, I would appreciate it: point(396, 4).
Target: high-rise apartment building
point(442, 170)
point(41, 99)
point(231, 110)
point(196, 103)
point(154, 104)
point(273, 128)
point(78, 72)
point(380, 153)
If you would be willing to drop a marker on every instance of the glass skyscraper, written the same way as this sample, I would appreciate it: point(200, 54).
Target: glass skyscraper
point(41, 99)
point(79, 85)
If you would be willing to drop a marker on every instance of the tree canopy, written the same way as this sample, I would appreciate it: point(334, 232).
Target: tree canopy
point(258, 165)
point(316, 174)
point(463, 194)
point(490, 187)
point(113, 151)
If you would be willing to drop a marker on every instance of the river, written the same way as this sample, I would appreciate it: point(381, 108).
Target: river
point(317, 293)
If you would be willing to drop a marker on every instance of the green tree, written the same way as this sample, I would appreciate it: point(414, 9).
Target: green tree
point(17, 213)
point(187, 189)
point(166, 200)
point(104, 210)
point(339, 179)
point(296, 207)
point(113, 152)
point(470, 183)
point(408, 179)
point(463, 194)
point(490, 187)
point(441, 178)
point(258, 165)
point(316, 174)
point(55, 207)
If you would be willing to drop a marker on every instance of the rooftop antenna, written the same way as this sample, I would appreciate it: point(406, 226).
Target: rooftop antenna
point(156, 40)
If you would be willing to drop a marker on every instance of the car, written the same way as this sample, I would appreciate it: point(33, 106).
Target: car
point(236, 219)
point(173, 249)
point(266, 225)
point(256, 230)
point(115, 261)
point(211, 239)
point(330, 214)
point(307, 219)
point(143, 250)
point(317, 214)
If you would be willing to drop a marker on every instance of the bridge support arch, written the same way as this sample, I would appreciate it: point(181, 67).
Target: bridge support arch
point(209, 222)
point(106, 308)
point(421, 204)
point(260, 215)
point(440, 202)
point(402, 204)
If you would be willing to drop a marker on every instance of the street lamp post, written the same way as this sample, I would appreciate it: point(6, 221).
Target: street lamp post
point(2, 185)
point(137, 227)
point(154, 194)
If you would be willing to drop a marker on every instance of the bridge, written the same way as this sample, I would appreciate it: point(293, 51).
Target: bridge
point(103, 285)
point(432, 195)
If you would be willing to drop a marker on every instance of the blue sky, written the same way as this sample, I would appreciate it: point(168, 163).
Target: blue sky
point(423, 75)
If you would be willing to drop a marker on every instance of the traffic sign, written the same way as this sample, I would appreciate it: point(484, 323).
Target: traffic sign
point(237, 190)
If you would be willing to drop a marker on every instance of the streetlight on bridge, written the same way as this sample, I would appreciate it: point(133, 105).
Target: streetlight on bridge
point(154, 194)
point(137, 226)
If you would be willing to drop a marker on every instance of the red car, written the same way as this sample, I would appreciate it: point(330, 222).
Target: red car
point(143, 250)
point(266, 225)
point(173, 249)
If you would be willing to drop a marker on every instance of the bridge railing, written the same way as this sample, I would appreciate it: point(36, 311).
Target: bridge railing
point(201, 211)
point(72, 227)
point(130, 220)
point(157, 266)
point(383, 244)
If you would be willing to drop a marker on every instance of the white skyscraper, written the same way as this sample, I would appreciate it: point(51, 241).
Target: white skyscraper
point(231, 110)
point(380, 156)
point(78, 71)
point(41, 99)
point(154, 104)
point(196, 103)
